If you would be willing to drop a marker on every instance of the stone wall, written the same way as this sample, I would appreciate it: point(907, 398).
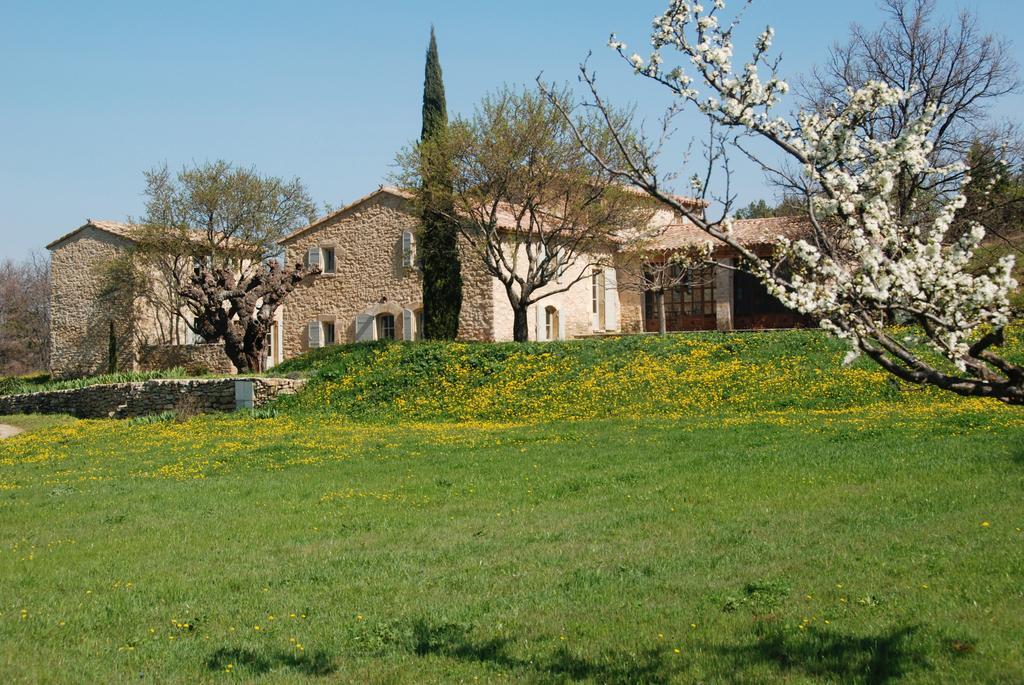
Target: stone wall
point(124, 400)
point(80, 320)
point(195, 359)
point(575, 305)
point(631, 314)
point(367, 240)
point(476, 318)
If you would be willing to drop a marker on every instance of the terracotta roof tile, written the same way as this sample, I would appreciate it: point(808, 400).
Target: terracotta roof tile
point(679, 233)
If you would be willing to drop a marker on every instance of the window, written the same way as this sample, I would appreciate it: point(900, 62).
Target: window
point(408, 249)
point(313, 256)
point(550, 323)
point(386, 327)
point(698, 292)
point(327, 262)
point(320, 333)
point(693, 296)
point(419, 324)
point(598, 296)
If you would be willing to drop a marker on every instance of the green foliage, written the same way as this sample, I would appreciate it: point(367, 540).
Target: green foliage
point(259, 412)
point(41, 383)
point(519, 155)
point(162, 417)
point(438, 243)
point(759, 209)
point(111, 350)
point(435, 108)
point(640, 376)
point(221, 211)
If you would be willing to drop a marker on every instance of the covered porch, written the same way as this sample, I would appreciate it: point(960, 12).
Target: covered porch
point(715, 298)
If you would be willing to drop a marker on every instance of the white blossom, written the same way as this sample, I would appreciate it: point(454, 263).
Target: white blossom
point(881, 264)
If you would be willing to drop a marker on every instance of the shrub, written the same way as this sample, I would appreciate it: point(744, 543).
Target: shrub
point(632, 376)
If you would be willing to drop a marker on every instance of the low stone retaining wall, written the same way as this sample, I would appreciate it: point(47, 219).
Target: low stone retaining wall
point(124, 400)
point(195, 359)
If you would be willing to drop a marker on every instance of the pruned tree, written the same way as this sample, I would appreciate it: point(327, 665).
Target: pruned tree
point(240, 309)
point(24, 315)
point(212, 231)
point(866, 261)
point(537, 211)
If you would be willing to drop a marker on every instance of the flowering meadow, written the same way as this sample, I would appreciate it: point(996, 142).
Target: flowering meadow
point(678, 376)
point(549, 513)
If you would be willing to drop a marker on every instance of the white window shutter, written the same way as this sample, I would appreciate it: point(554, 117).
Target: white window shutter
point(313, 333)
point(611, 300)
point(313, 256)
point(366, 331)
point(541, 323)
point(560, 258)
point(408, 249)
point(595, 315)
point(408, 324)
point(561, 326)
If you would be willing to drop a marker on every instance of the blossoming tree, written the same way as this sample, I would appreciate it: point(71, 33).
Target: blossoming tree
point(864, 265)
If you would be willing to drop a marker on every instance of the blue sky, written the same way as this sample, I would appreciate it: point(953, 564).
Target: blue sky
point(91, 94)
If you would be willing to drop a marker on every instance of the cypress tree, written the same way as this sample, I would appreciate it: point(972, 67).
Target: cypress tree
point(112, 349)
point(442, 275)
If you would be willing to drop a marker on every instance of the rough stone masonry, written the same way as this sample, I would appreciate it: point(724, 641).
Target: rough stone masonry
point(125, 400)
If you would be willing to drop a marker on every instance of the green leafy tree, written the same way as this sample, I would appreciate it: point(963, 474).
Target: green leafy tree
point(532, 206)
point(442, 274)
point(758, 209)
point(995, 197)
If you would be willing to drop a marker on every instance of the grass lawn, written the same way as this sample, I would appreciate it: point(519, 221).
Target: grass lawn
point(862, 544)
point(33, 422)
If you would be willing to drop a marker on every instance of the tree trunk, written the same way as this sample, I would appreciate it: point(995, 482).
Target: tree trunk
point(257, 354)
point(520, 329)
point(238, 356)
point(661, 313)
point(254, 360)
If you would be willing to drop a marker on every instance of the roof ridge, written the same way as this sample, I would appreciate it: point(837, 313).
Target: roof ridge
point(118, 229)
point(390, 190)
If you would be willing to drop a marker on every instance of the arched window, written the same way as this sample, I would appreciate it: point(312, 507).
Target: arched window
point(386, 327)
point(551, 323)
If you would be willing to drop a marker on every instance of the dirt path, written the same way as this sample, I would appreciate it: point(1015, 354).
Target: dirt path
point(8, 431)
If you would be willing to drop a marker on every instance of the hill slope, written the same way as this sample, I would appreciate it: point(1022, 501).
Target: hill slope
point(637, 376)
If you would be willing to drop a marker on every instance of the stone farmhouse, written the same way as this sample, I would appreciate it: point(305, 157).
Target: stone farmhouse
point(371, 289)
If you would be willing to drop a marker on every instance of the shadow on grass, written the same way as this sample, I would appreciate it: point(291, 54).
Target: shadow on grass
point(315, 664)
point(873, 659)
point(453, 641)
